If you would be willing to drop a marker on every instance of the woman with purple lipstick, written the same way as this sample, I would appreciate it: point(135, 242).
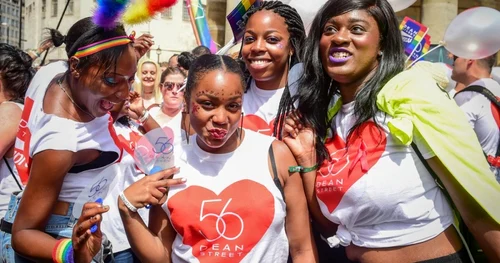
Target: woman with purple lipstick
point(369, 190)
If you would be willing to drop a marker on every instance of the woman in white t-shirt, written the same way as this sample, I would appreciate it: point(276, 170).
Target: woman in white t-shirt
point(169, 112)
point(358, 113)
point(232, 193)
point(272, 44)
point(66, 139)
point(15, 75)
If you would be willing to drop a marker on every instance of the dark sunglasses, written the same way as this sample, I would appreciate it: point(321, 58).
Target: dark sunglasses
point(170, 85)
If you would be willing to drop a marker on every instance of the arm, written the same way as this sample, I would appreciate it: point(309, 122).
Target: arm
point(484, 229)
point(153, 244)
point(11, 115)
point(136, 110)
point(47, 173)
point(298, 227)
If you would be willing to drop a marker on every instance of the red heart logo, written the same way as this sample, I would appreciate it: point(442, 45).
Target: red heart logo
point(348, 162)
point(224, 227)
point(257, 124)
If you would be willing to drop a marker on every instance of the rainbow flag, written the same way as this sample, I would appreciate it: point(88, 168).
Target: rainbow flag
point(422, 48)
point(238, 15)
point(200, 24)
point(413, 33)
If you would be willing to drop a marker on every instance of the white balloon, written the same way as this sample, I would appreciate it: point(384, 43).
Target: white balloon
point(474, 33)
point(398, 5)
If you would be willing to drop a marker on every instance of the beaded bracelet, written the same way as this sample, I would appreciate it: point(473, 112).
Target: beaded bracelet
point(127, 203)
point(63, 251)
point(301, 169)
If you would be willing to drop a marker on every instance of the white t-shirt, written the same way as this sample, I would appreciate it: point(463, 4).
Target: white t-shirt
point(166, 121)
point(482, 114)
point(112, 224)
point(260, 108)
point(230, 209)
point(39, 131)
point(7, 182)
point(376, 189)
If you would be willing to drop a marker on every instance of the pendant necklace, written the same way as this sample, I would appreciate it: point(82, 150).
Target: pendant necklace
point(71, 99)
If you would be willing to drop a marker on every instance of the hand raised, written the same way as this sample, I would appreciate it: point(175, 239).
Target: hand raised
point(143, 44)
point(300, 139)
point(152, 189)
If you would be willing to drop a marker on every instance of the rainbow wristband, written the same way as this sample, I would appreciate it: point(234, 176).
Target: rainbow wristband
point(63, 251)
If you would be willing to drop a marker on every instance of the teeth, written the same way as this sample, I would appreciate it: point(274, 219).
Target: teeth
point(259, 61)
point(340, 54)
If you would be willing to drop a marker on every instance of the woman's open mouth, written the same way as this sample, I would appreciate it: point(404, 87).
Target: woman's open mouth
point(106, 105)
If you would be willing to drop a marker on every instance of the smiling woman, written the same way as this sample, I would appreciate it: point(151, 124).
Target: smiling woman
point(272, 44)
point(220, 222)
point(65, 140)
point(148, 87)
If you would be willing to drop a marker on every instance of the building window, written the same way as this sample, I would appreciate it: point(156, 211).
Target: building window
point(43, 9)
point(185, 12)
point(69, 11)
point(167, 14)
point(54, 8)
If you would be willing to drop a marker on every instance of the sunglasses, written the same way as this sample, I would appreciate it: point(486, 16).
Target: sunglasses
point(170, 85)
point(454, 58)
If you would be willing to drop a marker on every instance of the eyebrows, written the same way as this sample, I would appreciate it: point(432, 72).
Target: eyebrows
point(351, 20)
point(217, 98)
point(269, 31)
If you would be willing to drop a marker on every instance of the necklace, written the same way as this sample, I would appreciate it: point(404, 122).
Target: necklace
point(71, 99)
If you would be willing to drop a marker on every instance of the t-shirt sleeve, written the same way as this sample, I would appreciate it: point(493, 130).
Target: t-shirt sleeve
point(53, 135)
point(469, 106)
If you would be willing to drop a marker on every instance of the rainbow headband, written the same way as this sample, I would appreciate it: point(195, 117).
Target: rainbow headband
point(103, 44)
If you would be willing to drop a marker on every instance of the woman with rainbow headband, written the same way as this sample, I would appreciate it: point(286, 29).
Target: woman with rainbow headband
point(66, 139)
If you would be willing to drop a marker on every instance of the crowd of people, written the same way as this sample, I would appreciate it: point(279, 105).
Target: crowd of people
point(304, 147)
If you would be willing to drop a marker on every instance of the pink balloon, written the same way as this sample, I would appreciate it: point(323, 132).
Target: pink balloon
point(474, 33)
point(398, 5)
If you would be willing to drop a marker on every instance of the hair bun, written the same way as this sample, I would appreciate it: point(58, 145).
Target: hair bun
point(57, 38)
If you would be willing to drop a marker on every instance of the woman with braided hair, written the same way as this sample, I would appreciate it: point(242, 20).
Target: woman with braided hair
point(272, 44)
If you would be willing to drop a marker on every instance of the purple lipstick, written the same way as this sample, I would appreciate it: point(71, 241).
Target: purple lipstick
point(339, 59)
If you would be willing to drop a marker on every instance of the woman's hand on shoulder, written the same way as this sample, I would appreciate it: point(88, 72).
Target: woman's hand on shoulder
point(300, 139)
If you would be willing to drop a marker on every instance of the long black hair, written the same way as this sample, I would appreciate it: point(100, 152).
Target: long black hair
point(16, 72)
point(84, 32)
point(297, 33)
point(316, 88)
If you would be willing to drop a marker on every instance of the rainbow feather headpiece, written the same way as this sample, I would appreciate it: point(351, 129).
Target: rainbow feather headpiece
point(103, 44)
point(142, 11)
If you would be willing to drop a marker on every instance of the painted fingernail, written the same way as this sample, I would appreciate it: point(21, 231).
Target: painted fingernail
point(183, 180)
point(106, 207)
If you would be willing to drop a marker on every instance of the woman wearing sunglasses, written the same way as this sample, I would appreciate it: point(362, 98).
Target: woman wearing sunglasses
point(168, 113)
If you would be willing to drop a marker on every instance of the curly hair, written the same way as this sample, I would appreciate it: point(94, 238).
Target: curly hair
point(16, 72)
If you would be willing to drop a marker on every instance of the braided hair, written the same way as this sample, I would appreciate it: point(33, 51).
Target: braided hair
point(297, 33)
point(16, 71)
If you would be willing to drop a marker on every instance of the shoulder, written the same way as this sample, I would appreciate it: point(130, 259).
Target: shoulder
point(7, 108)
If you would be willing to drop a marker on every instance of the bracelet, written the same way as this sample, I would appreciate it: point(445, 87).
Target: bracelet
point(63, 251)
point(127, 203)
point(144, 117)
point(301, 169)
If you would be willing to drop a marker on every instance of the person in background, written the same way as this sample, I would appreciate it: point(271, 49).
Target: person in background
point(148, 85)
point(368, 137)
point(163, 66)
point(200, 51)
point(216, 163)
point(169, 112)
point(272, 44)
point(172, 61)
point(16, 73)
point(483, 115)
point(126, 116)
